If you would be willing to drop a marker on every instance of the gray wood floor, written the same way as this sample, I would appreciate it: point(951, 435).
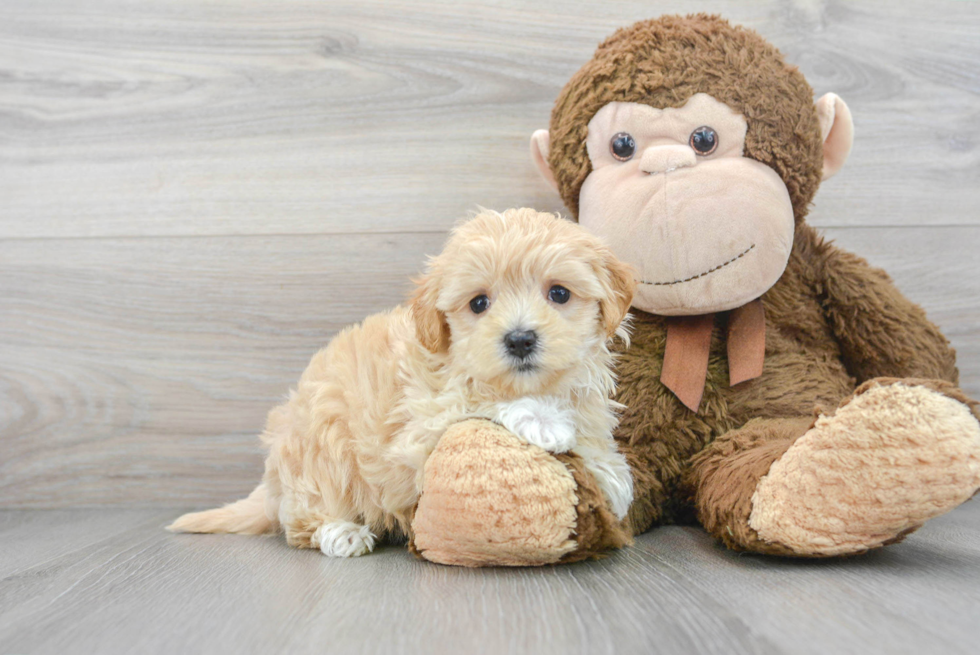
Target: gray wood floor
point(195, 196)
point(112, 581)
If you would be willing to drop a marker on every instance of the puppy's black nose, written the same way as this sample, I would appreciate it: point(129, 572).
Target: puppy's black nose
point(521, 343)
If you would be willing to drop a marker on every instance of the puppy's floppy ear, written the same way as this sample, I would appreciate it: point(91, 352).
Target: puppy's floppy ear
point(618, 286)
point(431, 326)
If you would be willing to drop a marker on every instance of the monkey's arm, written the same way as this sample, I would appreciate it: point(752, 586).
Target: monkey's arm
point(490, 499)
point(881, 332)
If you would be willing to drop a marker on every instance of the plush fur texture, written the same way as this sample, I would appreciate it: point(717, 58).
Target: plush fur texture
point(665, 61)
point(546, 509)
point(832, 323)
point(889, 459)
point(460, 528)
point(347, 450)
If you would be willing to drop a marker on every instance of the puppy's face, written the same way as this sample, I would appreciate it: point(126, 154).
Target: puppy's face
point(520, 299)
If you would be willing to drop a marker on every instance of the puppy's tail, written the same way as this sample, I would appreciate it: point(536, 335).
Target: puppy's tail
point(247, 516)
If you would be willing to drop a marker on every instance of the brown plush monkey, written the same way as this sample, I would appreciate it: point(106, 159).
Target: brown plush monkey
point(779, 390)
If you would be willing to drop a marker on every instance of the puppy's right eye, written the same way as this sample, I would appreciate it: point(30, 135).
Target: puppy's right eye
point(559, 294)
point(480, 304)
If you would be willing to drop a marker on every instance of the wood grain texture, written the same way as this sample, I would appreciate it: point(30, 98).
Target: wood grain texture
point(117, 583)
point(195, 197)
point(175, 118)
point(139, 371)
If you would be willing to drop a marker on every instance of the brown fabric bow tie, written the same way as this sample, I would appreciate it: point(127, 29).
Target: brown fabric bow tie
point(685, 366)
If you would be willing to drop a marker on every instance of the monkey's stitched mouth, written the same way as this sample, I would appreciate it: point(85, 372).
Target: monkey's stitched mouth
point(707, 272)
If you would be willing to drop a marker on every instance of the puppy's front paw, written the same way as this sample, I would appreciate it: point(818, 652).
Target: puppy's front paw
point(613, 475)
point(543, 422)
point(343, 539)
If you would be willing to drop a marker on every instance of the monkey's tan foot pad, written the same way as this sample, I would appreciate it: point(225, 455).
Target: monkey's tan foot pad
point(489, 499)
point(889, 459)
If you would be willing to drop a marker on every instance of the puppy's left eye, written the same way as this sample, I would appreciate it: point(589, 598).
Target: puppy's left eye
point(479, 304)
point(559, 294)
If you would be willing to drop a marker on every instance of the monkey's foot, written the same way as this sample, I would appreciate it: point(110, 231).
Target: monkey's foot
point(491, 499)
point(893, 456)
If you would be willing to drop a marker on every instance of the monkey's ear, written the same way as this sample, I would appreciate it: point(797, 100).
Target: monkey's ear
point(836, 130)
point(540, 146)
point(431, 326)
point(619, 285)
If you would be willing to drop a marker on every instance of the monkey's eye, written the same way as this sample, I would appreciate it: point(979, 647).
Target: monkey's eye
point(480, 304)
point(559, 294)
point(704, 140)
point(622, 146)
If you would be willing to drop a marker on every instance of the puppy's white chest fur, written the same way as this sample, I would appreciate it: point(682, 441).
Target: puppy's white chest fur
point(546, 422)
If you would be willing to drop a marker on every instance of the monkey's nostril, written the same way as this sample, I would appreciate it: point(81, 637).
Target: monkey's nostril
point(521, 343)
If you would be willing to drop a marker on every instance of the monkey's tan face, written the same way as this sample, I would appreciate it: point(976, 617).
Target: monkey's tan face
point(671, 193)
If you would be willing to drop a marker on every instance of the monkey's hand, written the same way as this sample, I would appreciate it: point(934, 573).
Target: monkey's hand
point(491, 499)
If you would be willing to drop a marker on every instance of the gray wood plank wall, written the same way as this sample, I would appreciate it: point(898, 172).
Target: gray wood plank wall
point(195, 197)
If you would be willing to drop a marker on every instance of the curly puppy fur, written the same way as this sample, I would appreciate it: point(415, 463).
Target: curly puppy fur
point(347, 451)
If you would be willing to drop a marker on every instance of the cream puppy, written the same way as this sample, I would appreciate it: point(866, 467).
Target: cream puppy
point(510, 323)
